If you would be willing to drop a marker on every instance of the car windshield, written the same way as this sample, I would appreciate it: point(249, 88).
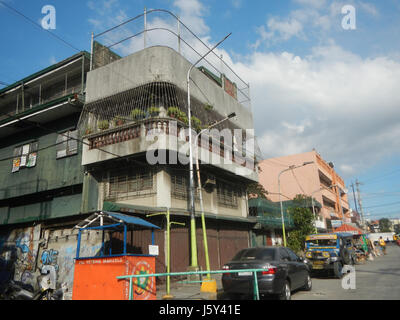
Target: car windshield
point(322, 243)
point(255, 254)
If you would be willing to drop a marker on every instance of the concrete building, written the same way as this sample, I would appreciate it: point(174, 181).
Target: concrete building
point(318, 180)
point(139, 164)
point(42, 180)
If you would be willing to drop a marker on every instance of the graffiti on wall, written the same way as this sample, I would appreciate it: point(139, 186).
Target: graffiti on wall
point(25, 252)
point(18, 252)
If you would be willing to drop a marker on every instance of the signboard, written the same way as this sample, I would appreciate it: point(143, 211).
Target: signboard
point(336, 223)
point(321, 236)
point(153, 250)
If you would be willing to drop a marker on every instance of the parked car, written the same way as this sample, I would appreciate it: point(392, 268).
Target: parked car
point(284, 272)
point(329, 252)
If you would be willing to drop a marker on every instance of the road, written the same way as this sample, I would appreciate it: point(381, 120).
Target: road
point(374, 280)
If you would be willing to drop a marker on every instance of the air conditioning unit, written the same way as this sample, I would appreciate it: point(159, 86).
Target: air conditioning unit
point(210, 181)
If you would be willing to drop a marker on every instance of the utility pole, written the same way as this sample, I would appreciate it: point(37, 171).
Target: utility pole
point(359, 201)
point(354, 197)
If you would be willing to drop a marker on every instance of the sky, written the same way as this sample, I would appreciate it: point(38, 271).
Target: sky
point(320, 76)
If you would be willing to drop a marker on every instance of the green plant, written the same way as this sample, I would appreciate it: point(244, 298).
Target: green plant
point(103, 124)
point(88, 130)
point(154, 111)
point(176, 113)
point(137, 114)
point(208, 107)
point(173, 112)
point(196, 123)
point(119, 120)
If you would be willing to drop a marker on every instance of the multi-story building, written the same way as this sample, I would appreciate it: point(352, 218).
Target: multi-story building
point(317, 179)
point(134, 125)
point(42, 180)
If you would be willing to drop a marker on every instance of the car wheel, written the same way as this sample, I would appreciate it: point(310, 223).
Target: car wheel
point(286, 293)
point(337, 270)
point(308, 284)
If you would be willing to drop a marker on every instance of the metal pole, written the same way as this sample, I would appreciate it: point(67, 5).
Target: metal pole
point(280, 201)
point(194, 263)
point(91, 52)
point(179, 35)
point(145, 27)
point(313, 210)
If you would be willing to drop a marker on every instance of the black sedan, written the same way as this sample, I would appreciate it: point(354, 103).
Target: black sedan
point(284, 272)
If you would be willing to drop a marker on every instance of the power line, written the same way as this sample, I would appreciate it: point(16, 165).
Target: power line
point(37, 25)
point(383, 205)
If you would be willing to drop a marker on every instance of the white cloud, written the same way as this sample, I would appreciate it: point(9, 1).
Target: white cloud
point(332, 100)
point(343, 105)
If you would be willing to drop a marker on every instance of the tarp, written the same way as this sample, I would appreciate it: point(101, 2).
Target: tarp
point(111, 218)
point(132, 220)
point(348, 228)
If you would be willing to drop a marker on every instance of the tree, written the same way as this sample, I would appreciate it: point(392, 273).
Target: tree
point(303, 220)
point(385, 225)
point(256, 190)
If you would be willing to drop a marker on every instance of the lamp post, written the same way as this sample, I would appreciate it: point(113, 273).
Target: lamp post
point(203, 223)
point(280, 200)
point(193, 244)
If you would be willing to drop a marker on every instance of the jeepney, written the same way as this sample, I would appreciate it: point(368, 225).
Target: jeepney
point(329, 252)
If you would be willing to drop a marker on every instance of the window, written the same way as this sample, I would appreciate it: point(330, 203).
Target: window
point(227, 195)
point(128, 183)
point(284, 255)
point(255, 254)
point(179, 187)
point(292, 255)
point(25, 156)
point(67, 143)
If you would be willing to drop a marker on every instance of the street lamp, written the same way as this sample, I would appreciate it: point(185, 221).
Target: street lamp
point(203, 223)
point(191, 181)
point(280, 201)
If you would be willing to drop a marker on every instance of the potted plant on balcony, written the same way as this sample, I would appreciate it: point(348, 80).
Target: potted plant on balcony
point(196, 123)
point(88, 130)
point(173, 112)
point(119, 121)
point(154, 111)
point(103, 125)
point(137, 114)
point(208, 107)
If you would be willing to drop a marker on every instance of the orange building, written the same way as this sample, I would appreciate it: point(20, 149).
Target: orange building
point(317, 179)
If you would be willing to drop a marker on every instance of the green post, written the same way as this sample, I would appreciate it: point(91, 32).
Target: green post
point(168, 254)
point(256, 294)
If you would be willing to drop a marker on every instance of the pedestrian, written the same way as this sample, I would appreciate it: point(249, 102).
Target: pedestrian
point(382, 243)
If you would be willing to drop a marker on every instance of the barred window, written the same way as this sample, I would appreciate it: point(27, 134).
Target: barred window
point(67, 143)
point(128, 183)
point(25, 156)
point(179, 186)
point(227, 195)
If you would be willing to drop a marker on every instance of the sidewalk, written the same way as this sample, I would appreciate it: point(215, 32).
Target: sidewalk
point(189, 291)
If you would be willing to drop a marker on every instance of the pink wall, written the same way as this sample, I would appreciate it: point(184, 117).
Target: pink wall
point(303, 180)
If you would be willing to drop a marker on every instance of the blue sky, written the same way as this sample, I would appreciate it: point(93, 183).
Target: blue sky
point(313, 83)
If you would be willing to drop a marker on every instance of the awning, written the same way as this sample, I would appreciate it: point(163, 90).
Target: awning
point(107, 218)
point(348, 228)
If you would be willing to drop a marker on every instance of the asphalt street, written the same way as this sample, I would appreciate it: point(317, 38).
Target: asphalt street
point(375, 280)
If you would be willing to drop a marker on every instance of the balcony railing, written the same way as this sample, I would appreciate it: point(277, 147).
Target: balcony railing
point(163, 126)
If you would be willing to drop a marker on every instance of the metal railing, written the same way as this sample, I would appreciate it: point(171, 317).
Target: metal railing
point(184, 35)
point(256, 294)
